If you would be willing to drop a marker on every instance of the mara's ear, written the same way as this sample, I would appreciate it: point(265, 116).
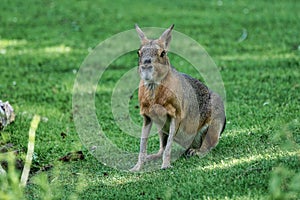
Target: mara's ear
point(166, 37)
point(141, 34)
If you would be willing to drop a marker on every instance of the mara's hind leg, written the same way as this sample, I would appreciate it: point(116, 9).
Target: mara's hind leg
point(210, 138)
point(195, 146)
point(216, 127)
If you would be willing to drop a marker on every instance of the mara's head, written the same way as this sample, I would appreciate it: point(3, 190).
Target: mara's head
point(154, 63)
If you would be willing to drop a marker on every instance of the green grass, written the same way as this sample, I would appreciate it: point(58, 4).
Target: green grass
point(43, 43)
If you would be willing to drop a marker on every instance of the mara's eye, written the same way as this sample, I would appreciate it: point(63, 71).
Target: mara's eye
point(163, 53)
point(138, 53)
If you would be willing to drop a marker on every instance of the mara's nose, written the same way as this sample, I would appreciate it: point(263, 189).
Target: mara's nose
point(147, 67)
point(147, 61)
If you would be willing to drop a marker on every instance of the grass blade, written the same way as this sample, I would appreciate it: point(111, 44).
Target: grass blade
point(34, 124)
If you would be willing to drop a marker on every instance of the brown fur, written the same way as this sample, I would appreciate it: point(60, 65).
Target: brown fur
point(183, 108)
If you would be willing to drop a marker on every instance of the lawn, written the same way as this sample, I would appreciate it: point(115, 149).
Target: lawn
point(255, 45)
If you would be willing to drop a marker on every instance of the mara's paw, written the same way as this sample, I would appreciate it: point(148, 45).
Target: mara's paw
point(136, 168)
point(166, 166)
point(195, 152)
point(190, 152)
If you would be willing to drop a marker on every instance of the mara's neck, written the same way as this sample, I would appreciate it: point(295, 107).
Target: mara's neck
point(153, 88)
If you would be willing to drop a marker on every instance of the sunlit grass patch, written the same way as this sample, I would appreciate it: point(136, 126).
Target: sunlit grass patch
point(232, 162)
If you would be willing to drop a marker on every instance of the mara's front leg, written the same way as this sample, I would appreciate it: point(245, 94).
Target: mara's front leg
point(167, 152)
point(143, 144)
